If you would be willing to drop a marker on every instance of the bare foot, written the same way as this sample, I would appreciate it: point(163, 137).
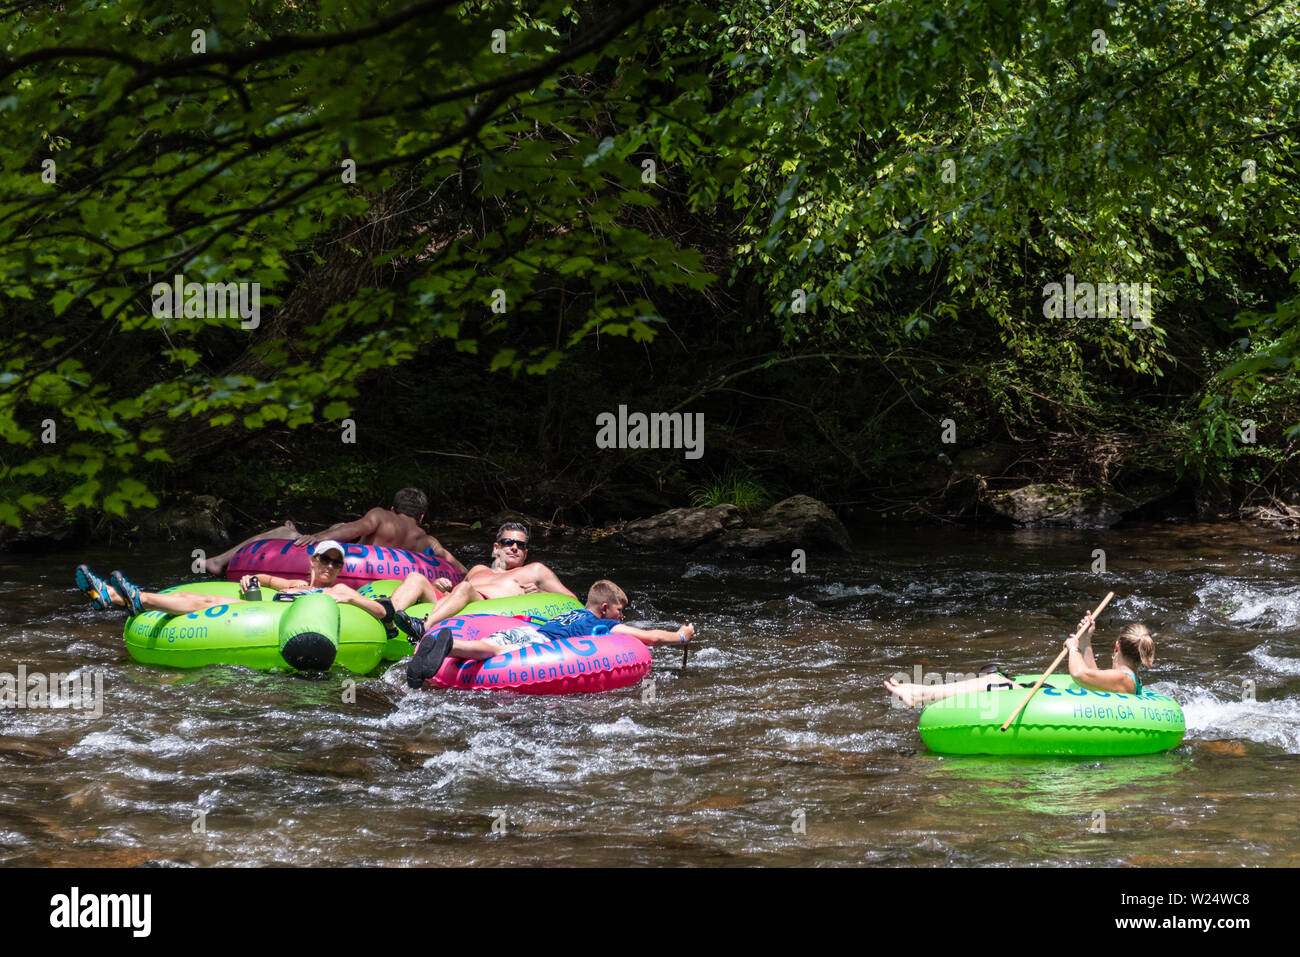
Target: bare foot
point(214, 566)
point(903, 692)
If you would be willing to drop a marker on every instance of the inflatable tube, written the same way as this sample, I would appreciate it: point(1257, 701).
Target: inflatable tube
point(309, 632)
point(563, 666)
point(1061, 718)
point(312, 633)
point(536, 609)
point(361, 563)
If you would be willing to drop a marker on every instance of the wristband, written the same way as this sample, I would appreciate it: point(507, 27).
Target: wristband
point(682, 636)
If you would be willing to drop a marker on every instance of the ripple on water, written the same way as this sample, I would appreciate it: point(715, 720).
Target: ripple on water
point(779, 708)
point(749, 573)
point(503, 754)
point(1275, 723)
point(1273, 663)
point(624, 727)
point(1265, 606)
point(841, 590)
point(167, 745)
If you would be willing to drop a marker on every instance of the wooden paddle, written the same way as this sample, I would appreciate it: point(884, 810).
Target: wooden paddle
point(1064, 651)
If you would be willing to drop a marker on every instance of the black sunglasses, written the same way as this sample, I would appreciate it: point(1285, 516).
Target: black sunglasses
point(336, 562)
point(507, 542)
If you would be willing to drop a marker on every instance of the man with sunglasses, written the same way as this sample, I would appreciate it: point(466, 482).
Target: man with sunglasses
point(511, 574)
point(325, 564)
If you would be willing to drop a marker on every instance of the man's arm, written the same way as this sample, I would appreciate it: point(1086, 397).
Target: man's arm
point(546, 581)
point(657, 636)
point(346, 531)
point(443, 555)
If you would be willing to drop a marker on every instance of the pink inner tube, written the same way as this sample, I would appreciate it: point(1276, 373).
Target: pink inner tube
point(563, 666)
point(361, 563)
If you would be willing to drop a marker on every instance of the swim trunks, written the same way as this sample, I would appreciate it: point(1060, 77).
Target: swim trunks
point(523, 635)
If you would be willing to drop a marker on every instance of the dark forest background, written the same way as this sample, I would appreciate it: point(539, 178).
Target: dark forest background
point(914, 174)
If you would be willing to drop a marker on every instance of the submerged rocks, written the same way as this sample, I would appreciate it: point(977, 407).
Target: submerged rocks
point(796, 522)
point(1047, 503)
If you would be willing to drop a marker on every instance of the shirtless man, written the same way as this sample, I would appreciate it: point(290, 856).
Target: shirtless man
point(398, 527)
point(509, 575)
point(326, 563)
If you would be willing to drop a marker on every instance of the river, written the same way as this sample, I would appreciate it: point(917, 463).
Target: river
point(776, 745)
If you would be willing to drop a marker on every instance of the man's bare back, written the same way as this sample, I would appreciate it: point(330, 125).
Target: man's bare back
point(394, 530)
point(396, 527)
point(386, 528)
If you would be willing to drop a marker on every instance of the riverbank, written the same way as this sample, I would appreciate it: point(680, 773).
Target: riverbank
point(971, 501)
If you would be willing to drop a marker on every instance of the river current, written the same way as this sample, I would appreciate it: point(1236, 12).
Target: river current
point(775, 745)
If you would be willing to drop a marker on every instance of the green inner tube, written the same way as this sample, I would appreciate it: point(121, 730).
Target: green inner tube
point(311, 633)
point(1061, 718)
point(540, 607)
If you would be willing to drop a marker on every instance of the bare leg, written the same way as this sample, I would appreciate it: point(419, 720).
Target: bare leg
point(475, 650)
point(455, 600)
point(217, 563)
point(176, 603)
point(414, 589)
point(182, 603)
point(911, 694)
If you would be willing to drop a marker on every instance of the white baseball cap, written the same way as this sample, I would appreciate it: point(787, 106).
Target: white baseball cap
point(329, 545)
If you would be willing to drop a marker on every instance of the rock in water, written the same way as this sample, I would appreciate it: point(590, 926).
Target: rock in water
point(682, 527)
point(1052, 504)
point(796, 522)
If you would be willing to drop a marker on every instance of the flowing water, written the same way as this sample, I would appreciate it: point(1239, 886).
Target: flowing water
point(776, 745)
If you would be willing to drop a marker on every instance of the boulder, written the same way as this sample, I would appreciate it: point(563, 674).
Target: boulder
point(796, 522)
point(49, 526)
point(202, 520)
point(682, 527)
point(1048, 503)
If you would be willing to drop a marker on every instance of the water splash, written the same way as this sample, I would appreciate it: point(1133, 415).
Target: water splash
point(1270, 722)
point(1261, 606)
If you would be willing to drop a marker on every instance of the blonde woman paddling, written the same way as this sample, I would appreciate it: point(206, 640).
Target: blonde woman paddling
point(1133, 647)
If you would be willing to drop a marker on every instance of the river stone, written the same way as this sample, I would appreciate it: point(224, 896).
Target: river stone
point(796, 522)
point(1054, 504)
point(201, 520)
point(48, 526)
point(682, 527)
